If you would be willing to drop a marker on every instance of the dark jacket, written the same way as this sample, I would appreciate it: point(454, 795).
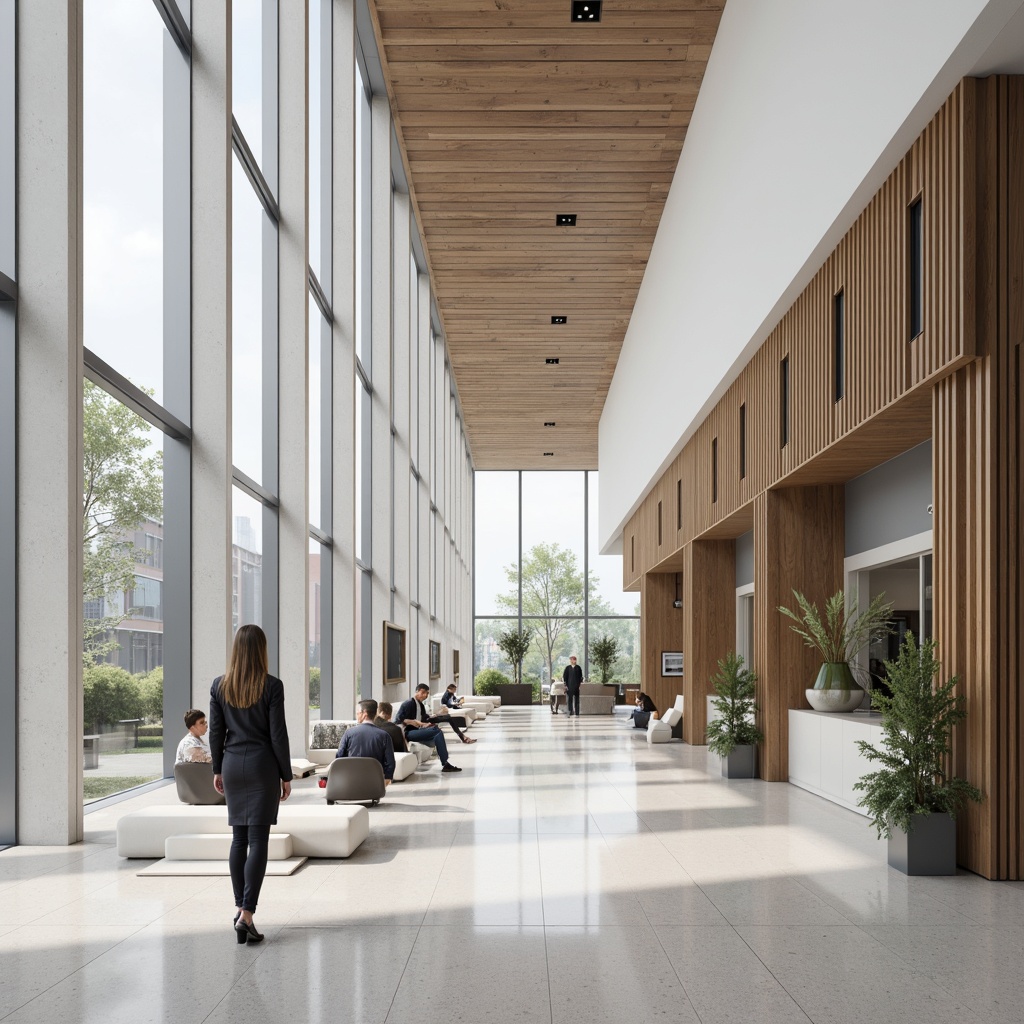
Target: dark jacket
point(367, 740)
point(257, 728)
point(411, 709)
point(449, 700)
point(572, 676)
point(396, 734)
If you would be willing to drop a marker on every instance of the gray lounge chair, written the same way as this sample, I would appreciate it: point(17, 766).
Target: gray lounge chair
point(359, 779)
point(195, 784)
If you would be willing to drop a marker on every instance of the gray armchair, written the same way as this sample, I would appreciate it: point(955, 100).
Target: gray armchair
point(194, 782)
point(358, 779)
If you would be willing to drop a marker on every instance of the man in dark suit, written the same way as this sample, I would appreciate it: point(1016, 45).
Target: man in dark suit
point(383, 721)
point(415, 720)
point(366, 740)
point(573, 679)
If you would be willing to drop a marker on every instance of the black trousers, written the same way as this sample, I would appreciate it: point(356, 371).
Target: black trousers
point(572, 698)
point(247, 860)
point(457, 722)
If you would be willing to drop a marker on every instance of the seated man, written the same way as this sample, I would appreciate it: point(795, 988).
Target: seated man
point(457, 722)
point(413, 718)
point(194, 746)
point(383, 721)
point(365, 740)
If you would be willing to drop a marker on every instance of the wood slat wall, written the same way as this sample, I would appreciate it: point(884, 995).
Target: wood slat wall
point(882, 368)
point(978, 577)
point(661, 629)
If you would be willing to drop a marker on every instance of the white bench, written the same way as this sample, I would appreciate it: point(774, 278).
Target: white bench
point(316, 829)
point(216, 846)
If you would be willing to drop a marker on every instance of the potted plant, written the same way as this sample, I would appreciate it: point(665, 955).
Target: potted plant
point(514, 644)
point(838, 638)
point(733, 734)
point(603, 653)
point(912, 802)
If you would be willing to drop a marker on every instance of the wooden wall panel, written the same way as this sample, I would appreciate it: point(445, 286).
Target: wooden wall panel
point(978, 449)
point(798, 545)
point(709, 617)
point(661, 629)
point(883, 367)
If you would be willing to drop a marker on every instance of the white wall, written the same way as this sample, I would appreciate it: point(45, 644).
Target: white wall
point(805, 108)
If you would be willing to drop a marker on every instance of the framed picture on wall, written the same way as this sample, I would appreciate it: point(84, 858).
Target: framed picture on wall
point(435, 660)
point(671, 663)
point(455, 664)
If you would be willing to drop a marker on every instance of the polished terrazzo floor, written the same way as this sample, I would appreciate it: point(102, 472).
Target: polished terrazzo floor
point(570, 873)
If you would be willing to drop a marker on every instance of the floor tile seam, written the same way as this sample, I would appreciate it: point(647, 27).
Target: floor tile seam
point(78, 970)
point(672, 966)
point(778, 981)
point(5, 886)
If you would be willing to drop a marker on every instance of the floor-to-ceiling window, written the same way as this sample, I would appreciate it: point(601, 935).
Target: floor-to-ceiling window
point(321, 361)
point(8, 504)
point(537, 567)
point(135, 398)
point(254, 317)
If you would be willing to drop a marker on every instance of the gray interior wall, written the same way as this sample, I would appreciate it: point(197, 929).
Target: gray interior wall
point(745, 559)
point(888, 503)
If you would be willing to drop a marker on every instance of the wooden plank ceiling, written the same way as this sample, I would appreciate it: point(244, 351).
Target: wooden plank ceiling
point(509, 113)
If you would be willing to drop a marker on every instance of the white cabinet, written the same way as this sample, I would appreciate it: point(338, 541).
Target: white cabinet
point(823, 754)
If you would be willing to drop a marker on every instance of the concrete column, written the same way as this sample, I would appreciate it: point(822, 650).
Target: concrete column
point(344, 332)
point(380, 205)
point(211, 350)
point(293, 373)
point(49, 395)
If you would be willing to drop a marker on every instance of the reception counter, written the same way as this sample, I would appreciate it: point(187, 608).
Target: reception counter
point(823, 755)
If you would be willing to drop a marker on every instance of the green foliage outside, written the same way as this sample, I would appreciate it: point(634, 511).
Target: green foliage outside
point(101, 786)
point(111, 695)
point(842, 633)
point(122, 488)
point(734, 726)
point(514, 643)
point(916, 745)
point(488, 680)
point(151, 688)
point(603, 652)
point(314, 687)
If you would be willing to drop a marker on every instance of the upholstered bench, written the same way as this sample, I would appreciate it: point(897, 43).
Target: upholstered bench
point(216, 845)
point(325, 738)
point(316, 830)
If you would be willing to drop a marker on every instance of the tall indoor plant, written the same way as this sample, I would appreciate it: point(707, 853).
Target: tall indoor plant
point(733, 734)
point(514, 644)
point(911, 799)
point(603, 652)
point(838, 637)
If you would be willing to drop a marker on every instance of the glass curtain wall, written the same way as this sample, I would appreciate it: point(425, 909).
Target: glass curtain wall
point(536, 567)
point(135, 398)
point(8, 502)
point(321, 318)
point(254, 330)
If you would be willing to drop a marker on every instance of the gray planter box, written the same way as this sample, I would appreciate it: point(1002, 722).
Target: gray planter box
point(929, 849)
point(739, 764)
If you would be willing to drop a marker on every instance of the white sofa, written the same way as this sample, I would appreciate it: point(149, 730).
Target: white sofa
point(659, 730)
point(405, 763)
point(316, 830)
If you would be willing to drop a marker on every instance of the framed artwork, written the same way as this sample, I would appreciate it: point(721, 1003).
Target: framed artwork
point(671, 663)
point(435, 660)
point(455, 664)
point(394, 653)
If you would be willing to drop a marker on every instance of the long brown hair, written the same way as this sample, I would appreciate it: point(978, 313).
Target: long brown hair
point(242, 684)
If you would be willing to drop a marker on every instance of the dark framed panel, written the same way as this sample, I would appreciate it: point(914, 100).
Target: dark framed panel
point(435, 660)
point(394, 654)
point(455, 664)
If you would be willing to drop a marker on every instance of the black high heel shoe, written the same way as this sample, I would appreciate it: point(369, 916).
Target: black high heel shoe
point(247, 932)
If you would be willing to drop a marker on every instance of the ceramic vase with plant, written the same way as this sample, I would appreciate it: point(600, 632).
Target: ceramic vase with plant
point(911, 799)
point(732, 734)
point(838, 637)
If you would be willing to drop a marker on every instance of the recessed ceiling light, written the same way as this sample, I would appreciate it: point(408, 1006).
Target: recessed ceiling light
point(560, 319)
point(586, 10)
point(547, 454)
point(565, 220)
point(551, 362)
point(549, 423)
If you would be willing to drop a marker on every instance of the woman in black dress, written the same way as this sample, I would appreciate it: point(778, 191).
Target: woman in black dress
point(251, 765)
